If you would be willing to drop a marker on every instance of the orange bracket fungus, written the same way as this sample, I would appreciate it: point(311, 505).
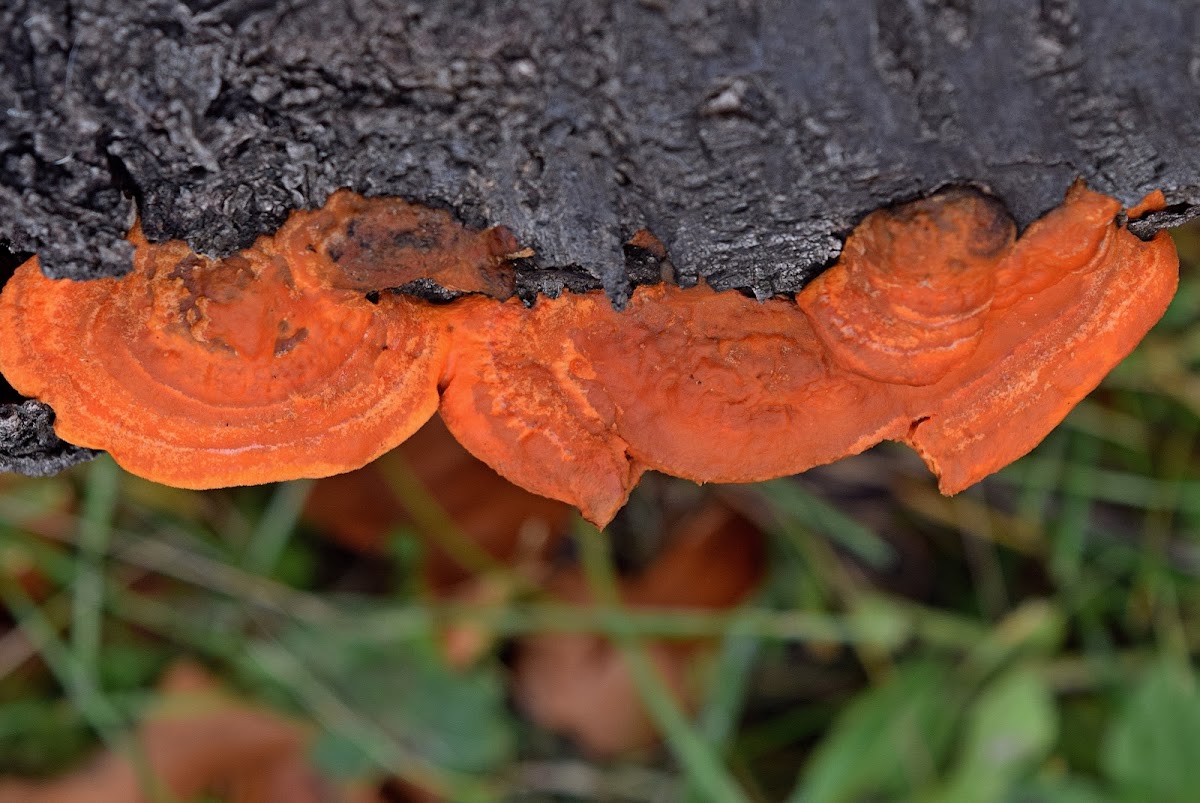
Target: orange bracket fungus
point(937, 327)
point(200, 373)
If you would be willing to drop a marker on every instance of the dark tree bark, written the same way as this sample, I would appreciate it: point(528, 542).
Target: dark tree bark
point(748, 135)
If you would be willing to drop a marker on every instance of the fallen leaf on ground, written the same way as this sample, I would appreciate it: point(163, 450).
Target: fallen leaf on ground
point(580, 685)
point(197, 740)
point(362, 508)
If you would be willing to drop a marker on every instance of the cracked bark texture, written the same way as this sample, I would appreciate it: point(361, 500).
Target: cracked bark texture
point(748, 135)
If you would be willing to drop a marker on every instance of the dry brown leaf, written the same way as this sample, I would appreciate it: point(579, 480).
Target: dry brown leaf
point(512, 526)
point(199, 739)
point(579, 684)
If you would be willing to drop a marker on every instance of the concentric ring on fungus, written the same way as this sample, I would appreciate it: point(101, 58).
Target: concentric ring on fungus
point(200, 373)
point(937, 327)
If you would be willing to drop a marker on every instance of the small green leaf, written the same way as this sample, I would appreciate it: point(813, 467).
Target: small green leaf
point(339, 757)
point(126, 665)
point(889, 741)
point(1010, 728)
point(1061, 790)
point(457, 720)
point(40, 737)
point(878, 621)
point(1152, 751)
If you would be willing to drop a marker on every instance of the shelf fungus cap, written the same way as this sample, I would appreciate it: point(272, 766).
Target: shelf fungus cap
point(202, 373)
point(911, 291)
point(516, 397)
point(1075, 294)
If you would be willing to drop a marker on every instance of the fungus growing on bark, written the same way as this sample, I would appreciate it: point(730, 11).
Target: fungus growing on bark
point(937, 327)
point(200, 373)
point(1074, 296)
point(1154, 201)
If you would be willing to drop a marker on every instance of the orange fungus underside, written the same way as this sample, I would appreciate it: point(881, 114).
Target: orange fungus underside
point(937, 327)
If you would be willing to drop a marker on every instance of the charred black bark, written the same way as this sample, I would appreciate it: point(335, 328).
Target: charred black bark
point(748, 135)
point(28, 444)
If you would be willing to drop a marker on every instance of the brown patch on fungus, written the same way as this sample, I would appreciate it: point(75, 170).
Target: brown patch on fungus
point(371, 244)
point(647, 242)
point(936, 327)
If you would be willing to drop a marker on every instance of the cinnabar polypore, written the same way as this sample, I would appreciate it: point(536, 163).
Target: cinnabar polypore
point(937, 327)
point(200, 373)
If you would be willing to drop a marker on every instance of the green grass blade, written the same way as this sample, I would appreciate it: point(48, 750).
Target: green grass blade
point(703, 765)
point(95, 530)
point(276, 526)
point(793, 503)
point(730, 687)
point(335, 715)
point(101, 715)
